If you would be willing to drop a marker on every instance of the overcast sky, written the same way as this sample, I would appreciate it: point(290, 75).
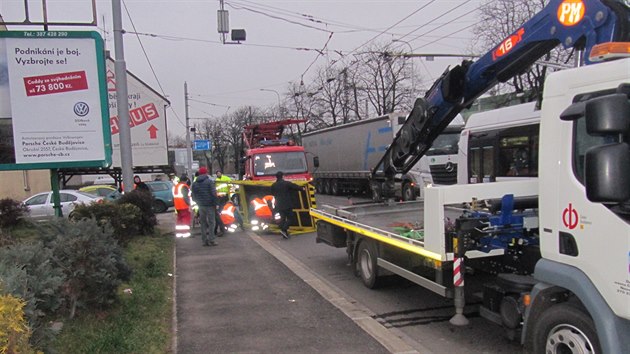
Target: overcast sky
point(182, 44)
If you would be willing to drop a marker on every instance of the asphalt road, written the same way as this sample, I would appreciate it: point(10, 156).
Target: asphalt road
point(419, 314)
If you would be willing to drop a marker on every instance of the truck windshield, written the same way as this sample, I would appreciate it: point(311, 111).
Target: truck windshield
point(445, 144)
point(288, 162)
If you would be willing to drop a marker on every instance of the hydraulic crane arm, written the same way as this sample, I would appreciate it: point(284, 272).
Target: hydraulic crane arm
point(578, 24)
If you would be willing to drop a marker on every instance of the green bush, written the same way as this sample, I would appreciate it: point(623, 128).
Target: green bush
point(11, 212)
point(26, 271)
point(143, 201)
point(14, 332)
point(123, 218)
point(92, 262)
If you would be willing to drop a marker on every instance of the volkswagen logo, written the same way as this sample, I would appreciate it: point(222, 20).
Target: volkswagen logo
point(81, 109)
point(449, 167)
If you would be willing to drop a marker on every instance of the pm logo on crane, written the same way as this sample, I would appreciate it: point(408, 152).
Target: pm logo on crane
point(571, 12)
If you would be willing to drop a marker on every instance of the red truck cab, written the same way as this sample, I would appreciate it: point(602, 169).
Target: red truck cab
point(267, 153)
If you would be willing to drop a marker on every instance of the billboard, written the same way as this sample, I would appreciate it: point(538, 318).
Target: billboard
point(53, 100)
point(147, 119)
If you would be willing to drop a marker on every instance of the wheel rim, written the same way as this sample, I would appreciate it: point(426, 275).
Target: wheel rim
point(366, 264)
point(567, 339)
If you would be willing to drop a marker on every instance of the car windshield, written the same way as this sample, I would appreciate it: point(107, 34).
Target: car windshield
point(444, 144)
point(287, 162)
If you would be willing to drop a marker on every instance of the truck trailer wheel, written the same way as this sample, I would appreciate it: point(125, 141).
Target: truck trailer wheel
point(326, 186)
point(565, 329)
point(334, 187)
point(366, 264)
point(408, 192)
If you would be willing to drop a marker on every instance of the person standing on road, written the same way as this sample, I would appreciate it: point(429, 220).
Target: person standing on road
point(205, 195)
point(281, 190)
point(181, 199)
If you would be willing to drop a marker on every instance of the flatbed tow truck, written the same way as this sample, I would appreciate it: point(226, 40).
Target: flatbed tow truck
point(550, 255)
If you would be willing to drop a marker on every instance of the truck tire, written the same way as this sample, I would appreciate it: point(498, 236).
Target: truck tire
point(326, 186)
point(408, 192)
point(334, 187)
point(377, 194)
point(366, 264)
point(318, 186)
point(565, 329)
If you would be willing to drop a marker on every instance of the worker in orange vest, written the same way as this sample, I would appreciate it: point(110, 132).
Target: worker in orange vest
point(263, 207)
point(231, 217)
point(181, 200)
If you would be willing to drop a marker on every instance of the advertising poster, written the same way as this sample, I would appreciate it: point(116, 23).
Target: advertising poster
point(52, 85)
point(147, 120)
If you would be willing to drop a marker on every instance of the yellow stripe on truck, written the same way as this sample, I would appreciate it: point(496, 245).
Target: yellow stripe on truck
point(396, 243)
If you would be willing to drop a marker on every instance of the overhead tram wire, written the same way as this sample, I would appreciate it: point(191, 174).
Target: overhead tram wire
point(436, 18)
point(277, 17)
point(151, 65)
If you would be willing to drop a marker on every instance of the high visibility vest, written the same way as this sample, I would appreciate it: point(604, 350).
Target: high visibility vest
point(179, 197)
point(223, 185)
point(261, 208)
point(227, 214)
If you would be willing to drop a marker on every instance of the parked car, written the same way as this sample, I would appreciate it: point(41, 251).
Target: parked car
point(108, 192)
point(162, 195)
point(40, 206)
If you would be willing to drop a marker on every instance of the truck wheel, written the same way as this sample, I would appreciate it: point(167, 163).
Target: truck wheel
point(318, 186)
point(326, 186)
point(366, 264)
point(408, 192)
point(377, 194)
point(334, 187)
point(565, 329)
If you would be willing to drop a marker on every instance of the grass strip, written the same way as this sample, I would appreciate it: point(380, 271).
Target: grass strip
point(141, 321)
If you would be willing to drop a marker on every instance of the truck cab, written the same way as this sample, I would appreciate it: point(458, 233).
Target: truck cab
point(267, 151)
point(262, 163)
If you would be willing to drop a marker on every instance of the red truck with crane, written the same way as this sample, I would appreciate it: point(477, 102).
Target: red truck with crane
point(550, 255)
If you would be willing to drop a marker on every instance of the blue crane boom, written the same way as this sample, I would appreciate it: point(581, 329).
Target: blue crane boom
point(578, 24)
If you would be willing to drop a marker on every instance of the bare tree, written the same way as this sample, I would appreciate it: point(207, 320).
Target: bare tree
point(501, 18)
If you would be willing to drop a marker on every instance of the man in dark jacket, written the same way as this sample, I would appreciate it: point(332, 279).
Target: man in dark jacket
point(281, 191)
point(205, 195)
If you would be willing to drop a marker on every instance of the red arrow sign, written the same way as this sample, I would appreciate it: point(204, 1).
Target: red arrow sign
point(153, 131)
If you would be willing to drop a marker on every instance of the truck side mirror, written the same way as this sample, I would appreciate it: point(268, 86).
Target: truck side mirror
point(608, 115)
point(607, 169)
point(316, 161)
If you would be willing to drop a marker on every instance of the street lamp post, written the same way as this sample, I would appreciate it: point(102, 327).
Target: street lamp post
point(413, 73)
point(277, 94)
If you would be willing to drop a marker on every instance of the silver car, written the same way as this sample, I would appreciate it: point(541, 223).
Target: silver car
point(40, 205)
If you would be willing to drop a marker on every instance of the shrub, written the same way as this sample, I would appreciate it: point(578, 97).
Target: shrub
point(123, 218)
point(11, 212)
point(92, 262)
point(26, 271)
point(14, 333)
point(143, 201)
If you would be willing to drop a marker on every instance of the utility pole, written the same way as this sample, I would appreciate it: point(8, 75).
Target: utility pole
point(122, 99)
point(188, 143)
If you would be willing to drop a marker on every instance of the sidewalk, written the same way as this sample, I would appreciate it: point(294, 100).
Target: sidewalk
point(236, 297)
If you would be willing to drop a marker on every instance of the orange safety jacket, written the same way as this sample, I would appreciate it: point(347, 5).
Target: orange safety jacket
point(227, 214)
point(179, 198)
point(261, 208)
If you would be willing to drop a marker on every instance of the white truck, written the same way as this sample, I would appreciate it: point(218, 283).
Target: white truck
point(551, 254)
point(501, 144)
point(347, 153)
